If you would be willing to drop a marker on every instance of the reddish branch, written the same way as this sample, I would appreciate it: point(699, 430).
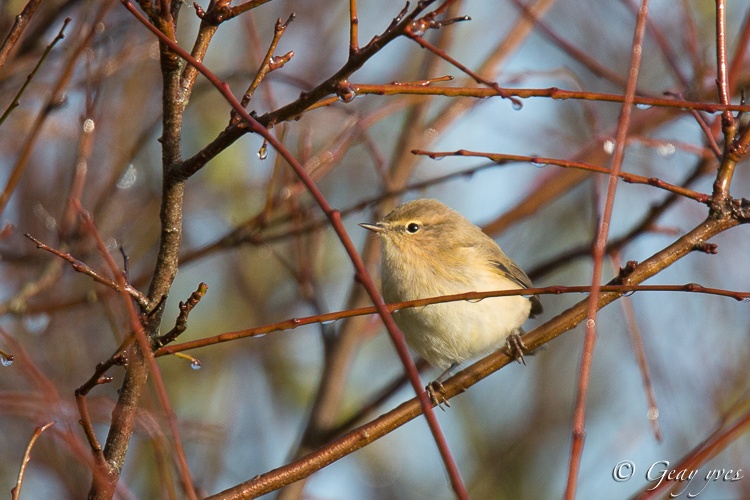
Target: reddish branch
point(293, 323)
point(551, 92)
point(539, 160)
point(599, 249)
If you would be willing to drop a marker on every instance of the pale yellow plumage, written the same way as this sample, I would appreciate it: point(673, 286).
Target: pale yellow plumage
point(430, 250)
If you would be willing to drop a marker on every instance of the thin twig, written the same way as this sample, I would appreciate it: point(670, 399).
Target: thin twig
point(538, 160)
point(663, 42)
point(291, 324)
point(88, 428)
point(181, 321)
point(16, 99)
point(722, 77)
point(551, 92)
point(16, 491)
point(245, 7)
point(84, 269)
point(52, 399)
point(704, 127)
point(270, 62)
point(728, 123)
point(416, 35)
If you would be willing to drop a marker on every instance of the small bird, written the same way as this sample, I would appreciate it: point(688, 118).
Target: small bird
point(430, 250)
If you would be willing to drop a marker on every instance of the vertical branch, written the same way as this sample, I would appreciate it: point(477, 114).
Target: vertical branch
point(721, 57)
point(600, 247)
point(165, 269)
point(728, 123)
point(353, 28)
point(144, 347)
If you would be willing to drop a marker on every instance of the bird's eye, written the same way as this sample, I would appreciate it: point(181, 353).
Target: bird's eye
point(413, 227)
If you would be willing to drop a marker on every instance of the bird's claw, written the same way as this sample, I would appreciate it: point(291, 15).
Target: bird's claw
point(436, 393)
point(516, 347)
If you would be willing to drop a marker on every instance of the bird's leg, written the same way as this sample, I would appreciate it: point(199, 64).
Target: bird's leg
point(436, 391)
point(516, 347)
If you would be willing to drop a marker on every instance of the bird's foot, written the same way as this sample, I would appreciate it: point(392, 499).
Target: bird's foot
point(436, 393)
point(516, 347)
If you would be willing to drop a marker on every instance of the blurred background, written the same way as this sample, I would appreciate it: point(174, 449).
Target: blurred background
point(246, 409)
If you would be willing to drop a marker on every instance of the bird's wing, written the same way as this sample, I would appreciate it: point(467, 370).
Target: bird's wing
point(516, 275)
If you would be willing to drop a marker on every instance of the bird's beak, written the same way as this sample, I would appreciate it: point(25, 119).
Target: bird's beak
point(375, 228)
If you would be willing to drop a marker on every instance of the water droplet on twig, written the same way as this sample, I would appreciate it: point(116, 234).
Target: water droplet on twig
point(418, 27)
point(263, 151)
point(346, 94)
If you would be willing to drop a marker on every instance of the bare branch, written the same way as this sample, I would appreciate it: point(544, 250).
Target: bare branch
point(16, 491)
point(82, 268)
